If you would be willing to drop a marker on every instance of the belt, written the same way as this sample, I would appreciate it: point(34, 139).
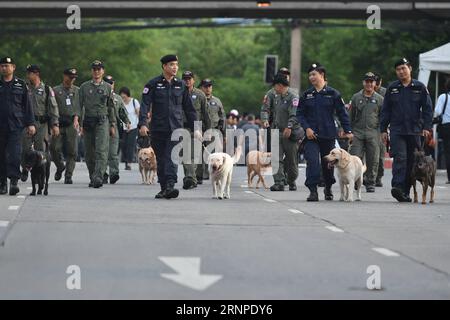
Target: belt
point(41, 119)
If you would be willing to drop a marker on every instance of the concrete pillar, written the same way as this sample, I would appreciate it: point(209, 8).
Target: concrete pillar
point(296, 55)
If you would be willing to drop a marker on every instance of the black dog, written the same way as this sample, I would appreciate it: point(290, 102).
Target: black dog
point(424, 170)
point(38, 162)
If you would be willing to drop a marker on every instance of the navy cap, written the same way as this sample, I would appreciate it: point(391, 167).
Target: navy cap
point(33, 68)
point(109, 79)
point(169, 58)
point(71, 72)
point(402, 61)
point(206, 83)
point(316, 67)
point(97, 64)
point(370, 76)
point(6, 60)
point(187, 75)
point(281, 79)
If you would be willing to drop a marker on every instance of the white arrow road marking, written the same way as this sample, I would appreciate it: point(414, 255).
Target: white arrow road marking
point(386, 252)
point(334, 229)
point(188, 272)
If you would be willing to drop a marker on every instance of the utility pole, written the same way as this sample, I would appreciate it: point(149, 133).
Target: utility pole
point(296, 54)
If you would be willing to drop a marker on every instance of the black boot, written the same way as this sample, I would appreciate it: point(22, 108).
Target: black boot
point(24, 175)
point(58, 173)
point(68, 180)
point(97, 183)
point(13, 188)
point(328, 193)
point(188, 184)
point(277, 187)
point(114, 179)
point(3, 187)
point(398, 194)
point(171, 192)
point(313, 195)
point(292, 187)
point(160, 194)
point(105, 178)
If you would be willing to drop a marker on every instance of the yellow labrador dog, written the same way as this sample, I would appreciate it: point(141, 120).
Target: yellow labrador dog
point(350, 173)
point(220, 167)
point(147, 165)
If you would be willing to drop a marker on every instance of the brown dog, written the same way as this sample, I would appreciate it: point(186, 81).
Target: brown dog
point(147, 165)
point(257, 163)
point(424, 170)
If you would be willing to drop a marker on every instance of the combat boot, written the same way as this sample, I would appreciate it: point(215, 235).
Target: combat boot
point(13, 187)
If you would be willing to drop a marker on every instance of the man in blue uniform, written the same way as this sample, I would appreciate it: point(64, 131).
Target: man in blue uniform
point(16, 113)
point(407, 112)
point(315, 113)
point(166, 97)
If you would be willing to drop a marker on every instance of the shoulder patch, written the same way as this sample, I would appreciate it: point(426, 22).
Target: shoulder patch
point(265, 99)
point(295, 102)
point(146, 90)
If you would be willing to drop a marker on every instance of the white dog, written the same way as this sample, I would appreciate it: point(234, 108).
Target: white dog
point(350, 173)
point(220, 167)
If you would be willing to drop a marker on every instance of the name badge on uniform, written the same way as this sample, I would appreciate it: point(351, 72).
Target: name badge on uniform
point(100, 91)
point(68, 102)
point(194, 97)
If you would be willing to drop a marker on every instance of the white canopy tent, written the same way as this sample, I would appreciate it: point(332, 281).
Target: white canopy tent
point(437, 60)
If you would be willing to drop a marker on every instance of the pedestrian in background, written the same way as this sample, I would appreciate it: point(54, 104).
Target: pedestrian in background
point(443, 111)
point(129, 135)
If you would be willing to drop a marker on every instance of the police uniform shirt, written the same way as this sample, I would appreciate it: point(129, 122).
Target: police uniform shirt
point(67, 100)
point(406, 110)
point(16, 110)
point(166, 101)
point(317, 110)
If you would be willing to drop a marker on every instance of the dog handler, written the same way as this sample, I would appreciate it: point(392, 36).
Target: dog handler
point(16, 113)
point(407, 112)
point(316, 111)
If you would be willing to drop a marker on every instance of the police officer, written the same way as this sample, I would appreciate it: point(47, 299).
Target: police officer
point(283, 110)
point(99, 122)
point(121, 116)
point(16, 113)
point(193, 173)
point(365, 108)
point(166, 97)
point(216, 114)
point(66, 95)
point(45, 112)
point(318, 105)
point(407, 112)
point(382, 91)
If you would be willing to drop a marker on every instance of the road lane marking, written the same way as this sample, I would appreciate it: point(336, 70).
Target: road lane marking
point(386, 252)
point(269, 200)
point(29, 188)
point(244, 186)
point(188, 272)
point(295, 211)
point(13, 207)
point(4, 223)
point(20, 197)
point(247, 191)
point(334, 229)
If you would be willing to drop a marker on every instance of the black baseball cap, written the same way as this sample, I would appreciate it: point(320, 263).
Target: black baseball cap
point(402, 61)
point(281, 79)
point(97, 64)
point(33, 68)
point(6, 60)
point(370, 76)
point(285, 71)
point(316, 67)
point(169, 58)
point(109, 79)
point(187, 75)
point(206, 82)
point(71, 72)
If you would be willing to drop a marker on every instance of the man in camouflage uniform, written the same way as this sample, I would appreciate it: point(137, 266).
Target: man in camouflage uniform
point(283, 110)
point(66, 95)
point(216, 115)
point(365, 108)
point(121, 118)
point(193, 173)
point(45, 111)
point(99, 122)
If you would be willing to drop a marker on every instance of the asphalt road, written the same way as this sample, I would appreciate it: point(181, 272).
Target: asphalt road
point(257, 245)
